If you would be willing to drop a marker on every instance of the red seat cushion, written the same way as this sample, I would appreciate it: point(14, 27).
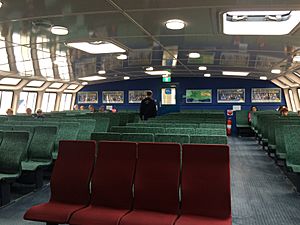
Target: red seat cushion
point(53, 212)
point(199, 220)
point(98, 216)
point(140, 217)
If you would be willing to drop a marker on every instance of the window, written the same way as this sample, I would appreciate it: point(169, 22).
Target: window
point(292, 100)
point(48, 103)
point(27, 100)
point(168, 96)
point(299, 93)
point(22, 53)
point(4, 58)
point(65, 102)
point(62, 64)
point(6, 98)
point(44, 57)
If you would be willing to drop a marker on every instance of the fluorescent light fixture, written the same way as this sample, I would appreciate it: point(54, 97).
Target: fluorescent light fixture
point(260, 22)
point(175, 24)
point(263, 78)
point(72, 87)
point(35, 83)
point(276, 71)
point(149, 68)
point(1, 4)
point(10, 81)
point(56, 85)
point(202, 68)
point(84, 83)
point(92, 78)
point(126, 78)
point(296, 58)
point(207, 75)
point(59, 30)
point(122, 57)
point(158, 72)
point(235, 73)
point(101, 72)
point(96, 48)
point(194, 55)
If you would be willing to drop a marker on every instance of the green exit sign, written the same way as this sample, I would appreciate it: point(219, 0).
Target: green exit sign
point(166, 79)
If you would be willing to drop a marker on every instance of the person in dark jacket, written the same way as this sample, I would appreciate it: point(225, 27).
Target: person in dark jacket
point(148, 107)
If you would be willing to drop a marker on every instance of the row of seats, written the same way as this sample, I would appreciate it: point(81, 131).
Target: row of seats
point(179, 125)
point(172, 130)
point(138, 184)
point(148, 137)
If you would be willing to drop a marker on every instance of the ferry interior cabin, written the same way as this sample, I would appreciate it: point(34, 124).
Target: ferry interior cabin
point(149, 112)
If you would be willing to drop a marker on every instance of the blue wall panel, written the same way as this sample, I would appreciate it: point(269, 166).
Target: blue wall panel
point(182, 84)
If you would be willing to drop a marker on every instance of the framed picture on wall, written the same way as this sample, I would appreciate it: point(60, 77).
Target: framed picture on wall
point(198, 96)
point(87, 97)
point(265, 95)
point(136, 96)
point(231, 95)
point(113, 97)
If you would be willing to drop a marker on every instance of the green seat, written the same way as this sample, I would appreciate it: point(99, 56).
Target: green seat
point(212, 125)
point(208, 131)
point(66, 131)
point(41, 148)
point(12, 148)
point(241, 117)
point(181, 125)
point(30, 130)
point(176, 138)
point(208, 139)
point(106, 136)
point(87, 126)
point(137, 137)
point(123, 129)
point(180, 130)
point(5, 127)
point(292, 142)
point(152, 130)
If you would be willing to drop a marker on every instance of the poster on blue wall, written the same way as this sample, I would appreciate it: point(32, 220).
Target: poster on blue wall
point(136, 96)
point(231, 95)
point(265, 95)
point(113, 97)
point(87, 97)
point(199, 96)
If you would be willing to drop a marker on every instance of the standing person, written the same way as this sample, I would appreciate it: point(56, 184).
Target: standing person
point(148, 107)
point(252, 109)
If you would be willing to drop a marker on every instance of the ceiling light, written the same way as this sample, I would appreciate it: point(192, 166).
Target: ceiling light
point(92, 78)
point(126, 78)
point(72, 87)
point(56, 85)
point(194, 55)
point(235, 73)
point(149, 68)
point(263, 78)
point(84, 83)
point(175, 24)
point(10, 81)
point(260, 22)
point(102, 48)
point(101, 72)
point(1, 4)
point(59, 30)
point(158, 72)
point(296, 58)
point(122, 57)
point(276, 71)
point(35, 83)
point(207, 75)
point(202, 68)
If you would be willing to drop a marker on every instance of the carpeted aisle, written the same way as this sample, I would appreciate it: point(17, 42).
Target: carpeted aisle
point(261, 195)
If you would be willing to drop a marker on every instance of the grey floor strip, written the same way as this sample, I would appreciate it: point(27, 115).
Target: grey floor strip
point(261, 194)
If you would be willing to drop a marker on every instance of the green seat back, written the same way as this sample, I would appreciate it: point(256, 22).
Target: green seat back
point(5, 127)
point(105, 136)
point(176, 138)
point(208, 139)
point(12, 149)
point(137, 137)
point(42, 143)
point(180, 130)
point(208, 131)
point(123, 129)
point(292, 142)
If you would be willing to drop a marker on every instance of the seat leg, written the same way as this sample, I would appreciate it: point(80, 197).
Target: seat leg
point(4, 193)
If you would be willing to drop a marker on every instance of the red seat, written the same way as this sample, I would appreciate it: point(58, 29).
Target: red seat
point(205, 185)
point(156, 185)
point(111, 185)
point(69, 183)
